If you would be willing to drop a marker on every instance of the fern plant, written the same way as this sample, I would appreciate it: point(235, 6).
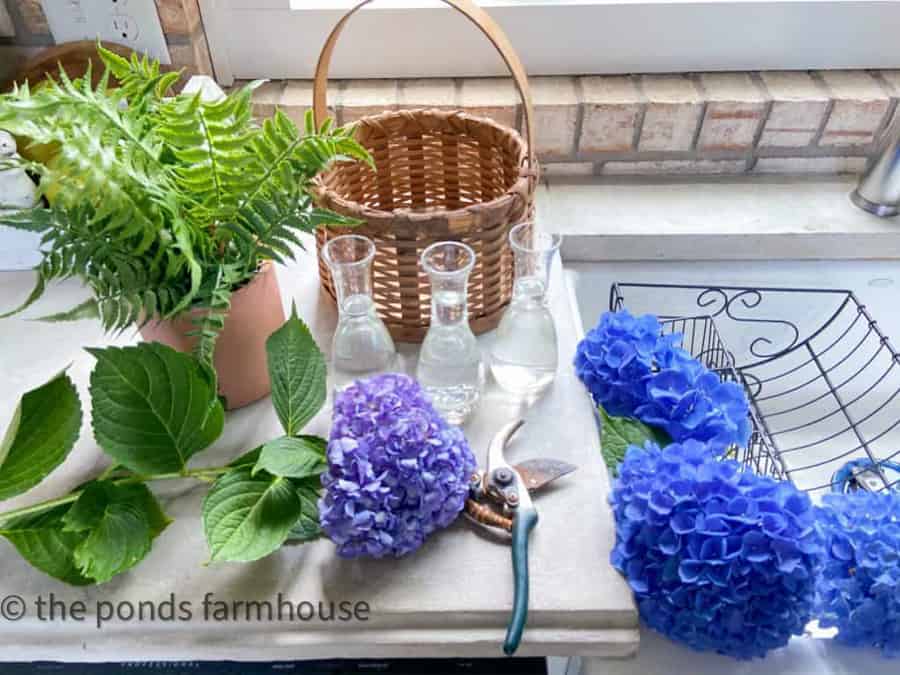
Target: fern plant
point(163, 204)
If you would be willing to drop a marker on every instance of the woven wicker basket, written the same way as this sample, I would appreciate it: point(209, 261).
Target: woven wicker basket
point(438, 176)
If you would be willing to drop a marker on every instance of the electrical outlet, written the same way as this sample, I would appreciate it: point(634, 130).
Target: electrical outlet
point(126, 26)
point(133, 23)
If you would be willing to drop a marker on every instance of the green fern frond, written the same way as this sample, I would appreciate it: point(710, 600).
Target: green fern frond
point(102, 158)
point(161, 204)
point(277, 208)
point(86, 310)
point(29, 220)
point(140, 81)
point(36, 293)
point(211, 322)
point(209, 140)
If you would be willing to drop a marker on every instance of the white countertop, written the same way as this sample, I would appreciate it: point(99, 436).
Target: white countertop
point(450, 598)
point(413, 623)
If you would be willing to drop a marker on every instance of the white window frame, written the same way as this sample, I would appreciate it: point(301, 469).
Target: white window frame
point(423, 38)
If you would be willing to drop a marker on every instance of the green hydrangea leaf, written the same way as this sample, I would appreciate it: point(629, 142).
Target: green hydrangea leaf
point(43, 542)
point(116, 527)
point(43, 431)
point(153, 407)
point(247, 517)
point(248, 459)
point(617, 433)
point(298, 374)
point(307, 527)
point(293, 457)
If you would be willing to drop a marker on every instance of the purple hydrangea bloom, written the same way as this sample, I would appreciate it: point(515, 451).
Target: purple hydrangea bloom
point(396, 470)
point(719, 558)
point(858, 591)
point(632, 370)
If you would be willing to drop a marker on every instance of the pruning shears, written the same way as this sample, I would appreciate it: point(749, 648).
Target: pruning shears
point(499, 497)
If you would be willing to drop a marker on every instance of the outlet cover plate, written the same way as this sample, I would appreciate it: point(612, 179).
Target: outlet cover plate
point(132, 23)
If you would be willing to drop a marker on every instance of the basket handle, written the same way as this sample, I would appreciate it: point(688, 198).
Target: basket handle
point(477, 16)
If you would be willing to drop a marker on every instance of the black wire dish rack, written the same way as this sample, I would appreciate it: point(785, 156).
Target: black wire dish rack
point(822, 379)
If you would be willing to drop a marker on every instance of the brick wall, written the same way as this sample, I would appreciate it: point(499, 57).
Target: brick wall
point(24, 32)
point(699, 123)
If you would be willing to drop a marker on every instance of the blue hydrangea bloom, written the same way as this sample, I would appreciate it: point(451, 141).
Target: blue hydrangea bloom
point(396, 470)
point(616, 357)
point(632, 370)
point(858, 591)
point(690, 402)
point(719, 558)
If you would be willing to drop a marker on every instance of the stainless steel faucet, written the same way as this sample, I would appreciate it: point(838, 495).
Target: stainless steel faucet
point(878, 191)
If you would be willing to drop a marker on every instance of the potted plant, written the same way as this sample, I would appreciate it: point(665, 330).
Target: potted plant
point(170, 208)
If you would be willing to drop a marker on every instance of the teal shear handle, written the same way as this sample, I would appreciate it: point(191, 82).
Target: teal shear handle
point(523, 524)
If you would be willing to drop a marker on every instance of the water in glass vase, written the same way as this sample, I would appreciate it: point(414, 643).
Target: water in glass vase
point(450, 367)
point(524, 355)
point(362, 346)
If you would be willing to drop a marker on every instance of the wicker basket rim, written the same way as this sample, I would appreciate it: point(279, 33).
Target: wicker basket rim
point(441, 113)
point(520, 187)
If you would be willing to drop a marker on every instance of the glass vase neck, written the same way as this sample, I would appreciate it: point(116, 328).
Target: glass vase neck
point(534, 252)
point(448, 265)
point(349, 259)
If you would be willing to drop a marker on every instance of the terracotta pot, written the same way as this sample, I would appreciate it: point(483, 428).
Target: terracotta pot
point(240, 358)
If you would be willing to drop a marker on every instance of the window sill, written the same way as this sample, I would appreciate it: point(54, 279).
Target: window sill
point(714, 219)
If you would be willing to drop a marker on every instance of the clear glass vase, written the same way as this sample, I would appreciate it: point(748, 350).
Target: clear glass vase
point(450, 368)
point(524, 355)
point(362, 345)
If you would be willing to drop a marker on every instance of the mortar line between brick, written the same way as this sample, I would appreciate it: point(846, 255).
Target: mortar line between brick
point(339, 103)
point(756, 78)
point(722, 155)
point(641, 114)
point(893, 123)
point(761, 82)
point(279, 97)
point(880, 138)
point(817, 137)
point(704, 106)
point(579, 115)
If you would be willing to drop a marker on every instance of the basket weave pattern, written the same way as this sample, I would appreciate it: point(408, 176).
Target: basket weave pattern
point(438, 176)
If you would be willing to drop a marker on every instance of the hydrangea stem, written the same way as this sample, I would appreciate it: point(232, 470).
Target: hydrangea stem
point(206, 474)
